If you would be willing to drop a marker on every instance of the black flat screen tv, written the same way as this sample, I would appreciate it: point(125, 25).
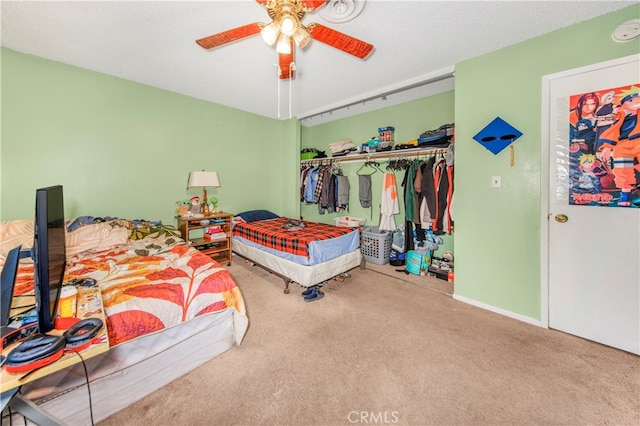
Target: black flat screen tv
point(49, 254)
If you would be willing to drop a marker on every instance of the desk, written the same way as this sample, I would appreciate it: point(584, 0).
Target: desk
point(89, 304)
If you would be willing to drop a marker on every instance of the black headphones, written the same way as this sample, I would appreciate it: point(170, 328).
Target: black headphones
point(44, 349)
point(35, 352)
point(82, 332)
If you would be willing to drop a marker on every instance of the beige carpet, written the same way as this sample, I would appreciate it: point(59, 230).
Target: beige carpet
point(379, 350)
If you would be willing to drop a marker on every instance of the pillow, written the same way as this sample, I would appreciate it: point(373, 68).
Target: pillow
point(254, 215)
point(14, 233)
point(236, 220)
point(94, 236)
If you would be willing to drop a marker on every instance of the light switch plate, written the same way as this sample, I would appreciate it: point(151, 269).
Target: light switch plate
point(496, 181)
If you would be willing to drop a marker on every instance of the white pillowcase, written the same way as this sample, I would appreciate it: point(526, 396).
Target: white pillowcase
point(14, 233)
point(95, 236)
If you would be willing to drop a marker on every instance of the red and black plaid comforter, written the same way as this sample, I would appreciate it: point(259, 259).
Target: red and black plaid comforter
point(270, 233)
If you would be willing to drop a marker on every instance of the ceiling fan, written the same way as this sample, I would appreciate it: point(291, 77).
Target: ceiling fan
point(286, 29)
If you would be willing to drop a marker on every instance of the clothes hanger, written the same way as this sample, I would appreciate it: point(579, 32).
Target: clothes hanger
point(362, 171)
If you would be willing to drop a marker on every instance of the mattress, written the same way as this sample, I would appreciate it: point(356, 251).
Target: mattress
point(305, 275)
point(134, 369)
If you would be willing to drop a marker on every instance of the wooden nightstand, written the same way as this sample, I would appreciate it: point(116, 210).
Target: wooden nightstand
point(218, 244)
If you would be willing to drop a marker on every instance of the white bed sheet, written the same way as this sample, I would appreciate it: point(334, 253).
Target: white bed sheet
point(305, 275)
point(132, 370)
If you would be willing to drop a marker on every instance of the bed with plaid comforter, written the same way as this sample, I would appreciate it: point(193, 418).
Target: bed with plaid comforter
point(314, 243)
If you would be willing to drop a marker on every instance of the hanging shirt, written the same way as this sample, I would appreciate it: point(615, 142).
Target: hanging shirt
point(389, 203)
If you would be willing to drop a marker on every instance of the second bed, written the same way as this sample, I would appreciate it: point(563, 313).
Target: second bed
point(303, 252)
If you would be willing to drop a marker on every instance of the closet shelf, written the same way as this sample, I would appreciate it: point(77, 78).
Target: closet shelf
point(413, 152)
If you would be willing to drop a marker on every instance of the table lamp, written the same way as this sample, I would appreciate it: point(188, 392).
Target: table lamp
point(203, 179)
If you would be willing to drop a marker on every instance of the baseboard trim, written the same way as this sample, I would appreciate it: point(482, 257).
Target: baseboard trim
point(504, 312)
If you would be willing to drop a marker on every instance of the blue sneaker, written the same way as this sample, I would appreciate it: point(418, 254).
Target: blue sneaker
point(309, 291)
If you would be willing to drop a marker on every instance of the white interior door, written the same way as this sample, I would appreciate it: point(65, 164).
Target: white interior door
point(594, 256)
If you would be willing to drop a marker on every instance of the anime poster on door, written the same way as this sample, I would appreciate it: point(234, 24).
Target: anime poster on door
point(604, 148)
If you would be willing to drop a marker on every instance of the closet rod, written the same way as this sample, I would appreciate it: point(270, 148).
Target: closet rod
point(383, 95)
point(377, 155)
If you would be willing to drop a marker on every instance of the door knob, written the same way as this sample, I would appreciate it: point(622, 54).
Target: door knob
point(562, 218)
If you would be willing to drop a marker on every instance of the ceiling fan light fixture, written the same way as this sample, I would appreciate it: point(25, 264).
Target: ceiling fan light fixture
point(301, 36)
point(270, 33)
point(284, 45)
point(289, 24)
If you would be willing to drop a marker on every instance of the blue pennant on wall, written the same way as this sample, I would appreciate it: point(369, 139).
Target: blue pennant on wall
point(497, 135)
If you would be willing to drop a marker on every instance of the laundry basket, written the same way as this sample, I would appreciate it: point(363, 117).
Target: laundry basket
point(375, 245)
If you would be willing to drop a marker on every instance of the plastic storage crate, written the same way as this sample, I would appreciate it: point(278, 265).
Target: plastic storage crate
point(375, 245)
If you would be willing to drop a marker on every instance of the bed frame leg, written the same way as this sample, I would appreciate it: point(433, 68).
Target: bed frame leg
point(286, 286)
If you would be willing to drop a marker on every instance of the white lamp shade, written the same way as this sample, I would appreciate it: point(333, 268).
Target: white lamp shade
point(301, 36)
point(288, 24)
point(203, 179)
point(270, 33)
point(284, 45)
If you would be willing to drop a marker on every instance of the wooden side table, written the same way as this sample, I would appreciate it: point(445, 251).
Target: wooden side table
point(217, 245)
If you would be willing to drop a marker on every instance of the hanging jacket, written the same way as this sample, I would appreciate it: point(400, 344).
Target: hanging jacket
point(441, 182)
point(428, 192)
point(409, 192)
point(310, 186)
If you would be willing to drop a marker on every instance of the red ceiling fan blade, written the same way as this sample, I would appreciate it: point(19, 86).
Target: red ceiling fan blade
point(309, 5)
point(339, 40)
point(285, 60)
point(228, 36)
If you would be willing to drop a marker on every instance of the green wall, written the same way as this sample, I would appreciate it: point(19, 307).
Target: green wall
point(498, 241)
point(124, 149)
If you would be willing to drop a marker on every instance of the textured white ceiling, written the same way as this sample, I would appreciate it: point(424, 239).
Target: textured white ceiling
point(153, 42)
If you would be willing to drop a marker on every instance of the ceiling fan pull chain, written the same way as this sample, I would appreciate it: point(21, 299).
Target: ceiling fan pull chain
point(292, 67)
point(278, 90)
